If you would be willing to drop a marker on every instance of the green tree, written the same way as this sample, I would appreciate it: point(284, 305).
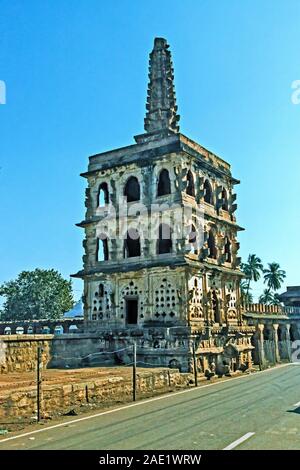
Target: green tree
point(252, 270)
point(274, 276)
point(270, 298)
point(276, 299)
point(36, 294)
point(246, 295)
point(266, 297)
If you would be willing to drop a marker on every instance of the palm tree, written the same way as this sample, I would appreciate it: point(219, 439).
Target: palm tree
point(246, 296)
point(266, 297)
point(276, 299)
point(269, 298)
point(274, 276)
point(252, 270)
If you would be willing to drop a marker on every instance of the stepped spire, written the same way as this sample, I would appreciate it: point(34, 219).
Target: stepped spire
point(161, 101)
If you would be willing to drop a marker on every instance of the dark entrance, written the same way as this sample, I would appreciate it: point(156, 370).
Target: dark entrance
point(131, 311)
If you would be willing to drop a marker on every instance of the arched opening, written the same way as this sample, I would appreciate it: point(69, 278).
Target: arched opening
point(58, 330)
point(190, 187)
point(102, 248)
point(132, 244)
point(46, 330)
point(227, 250)
point(20, 330)
point(164, 239)
point(212, 250)
point(193, 240)
point(103, 195)
point(164, 184)
point(7, 330)
point(174, 364)
point(224, 199)
point(73, 329)
point(132, 189)
point(294, 333)
point(267, 333)
point(208, 193)
point(101, 290)
point(30, 330)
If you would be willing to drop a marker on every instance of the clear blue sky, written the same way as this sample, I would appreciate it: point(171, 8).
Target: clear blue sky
point(76, 77)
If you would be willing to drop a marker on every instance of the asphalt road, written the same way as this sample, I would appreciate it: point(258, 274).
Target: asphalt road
point(258, 411)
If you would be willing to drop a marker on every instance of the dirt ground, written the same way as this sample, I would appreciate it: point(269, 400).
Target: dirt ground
point(22, 380)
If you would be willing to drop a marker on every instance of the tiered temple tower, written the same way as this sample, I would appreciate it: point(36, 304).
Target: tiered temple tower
point(161, 262)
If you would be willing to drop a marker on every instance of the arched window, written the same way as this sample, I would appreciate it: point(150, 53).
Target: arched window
point(132, 244)
point(102, 248)
point(212, 251)
point(193, 239)
point(164, 239)
point(132, 189)
point(224, 197)
point(227, 250)
point(101, 290)
point(103, 196)
point(208, 194)
point(190, 187)
point(164, 184)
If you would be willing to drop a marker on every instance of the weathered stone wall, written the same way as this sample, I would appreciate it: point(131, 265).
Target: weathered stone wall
point(60, 398)
point(18, 353)
point(81, 350)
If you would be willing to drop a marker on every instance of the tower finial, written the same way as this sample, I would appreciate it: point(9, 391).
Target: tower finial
point(161, 101)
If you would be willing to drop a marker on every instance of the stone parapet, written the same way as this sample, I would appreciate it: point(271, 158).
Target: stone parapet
point(271, 309)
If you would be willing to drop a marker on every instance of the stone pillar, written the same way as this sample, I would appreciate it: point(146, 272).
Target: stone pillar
point(287, 339)
point(275, 339)
point(260, 344)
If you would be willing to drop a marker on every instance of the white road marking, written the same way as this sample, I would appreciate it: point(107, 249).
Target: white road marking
point(297, 404)
point(239, 441)
point(139, 403)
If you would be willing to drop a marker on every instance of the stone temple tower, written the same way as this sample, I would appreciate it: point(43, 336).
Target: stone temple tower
point(161, 264)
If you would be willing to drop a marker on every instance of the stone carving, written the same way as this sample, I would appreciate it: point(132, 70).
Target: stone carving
point(101, 301)
point(165, 299)
point(161, 101)
point(195, 299)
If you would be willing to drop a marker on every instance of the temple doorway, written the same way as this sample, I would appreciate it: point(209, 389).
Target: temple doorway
point(131, 311)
